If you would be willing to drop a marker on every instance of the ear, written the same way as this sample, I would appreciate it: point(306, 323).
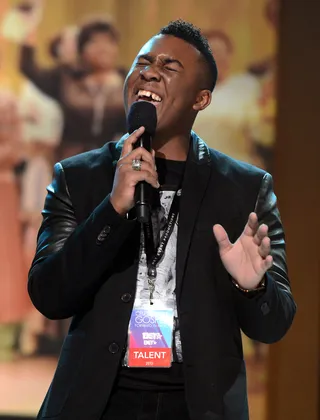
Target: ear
point(203, 100)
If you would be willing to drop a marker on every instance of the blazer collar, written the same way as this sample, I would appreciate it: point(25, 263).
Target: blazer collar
point(199, 152)
point(195, 182)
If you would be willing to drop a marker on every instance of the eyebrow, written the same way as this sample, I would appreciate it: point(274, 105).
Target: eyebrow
point(167, 60)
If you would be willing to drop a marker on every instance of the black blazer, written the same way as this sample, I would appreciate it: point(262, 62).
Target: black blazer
point(86, 264)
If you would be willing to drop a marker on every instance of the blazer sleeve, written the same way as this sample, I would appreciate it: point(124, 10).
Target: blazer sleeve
point(71, 259)
point(267, 316)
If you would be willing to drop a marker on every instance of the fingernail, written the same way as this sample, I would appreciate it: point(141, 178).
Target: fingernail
point(158, 185)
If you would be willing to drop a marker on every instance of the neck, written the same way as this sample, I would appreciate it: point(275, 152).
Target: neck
point(174, 148)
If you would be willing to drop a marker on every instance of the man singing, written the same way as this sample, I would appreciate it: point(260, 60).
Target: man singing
point(155, 330)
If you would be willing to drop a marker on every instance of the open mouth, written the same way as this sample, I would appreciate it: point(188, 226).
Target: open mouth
point(147, 95)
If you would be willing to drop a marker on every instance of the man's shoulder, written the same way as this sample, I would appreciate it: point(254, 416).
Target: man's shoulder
point(224, 164)
point(91, 160)
point(233, 168)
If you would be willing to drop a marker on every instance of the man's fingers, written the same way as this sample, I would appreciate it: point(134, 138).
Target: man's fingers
point(147, 163)
point(128, 143)
point(144, 176)
point(253, 229)
point(261, 233)
point(267, 263)
point(132, 177)
point(222, 238)
point(264, 248)
point(145, 167)
point(140, 153)
point(252, 225)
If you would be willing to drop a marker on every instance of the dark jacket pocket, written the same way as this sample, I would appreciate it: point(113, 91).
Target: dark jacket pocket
point(65, 376)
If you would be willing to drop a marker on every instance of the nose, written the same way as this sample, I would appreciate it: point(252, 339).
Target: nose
point(150, 74)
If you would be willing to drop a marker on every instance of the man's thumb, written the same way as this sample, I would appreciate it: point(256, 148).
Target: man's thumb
point(222, 238)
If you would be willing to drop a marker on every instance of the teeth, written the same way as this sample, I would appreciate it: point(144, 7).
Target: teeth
point(156, 97)
point(149, 94)
point(145, 93)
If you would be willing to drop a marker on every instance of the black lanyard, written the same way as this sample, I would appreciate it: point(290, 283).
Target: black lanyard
point(154, 254)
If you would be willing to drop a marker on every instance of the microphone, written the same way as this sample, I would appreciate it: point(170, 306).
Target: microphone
point(144, 114)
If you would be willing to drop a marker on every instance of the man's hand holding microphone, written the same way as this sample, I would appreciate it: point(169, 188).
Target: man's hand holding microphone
point(127, 177)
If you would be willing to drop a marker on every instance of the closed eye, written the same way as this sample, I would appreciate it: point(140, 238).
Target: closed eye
point(170, 68)
point(172, 64)
point(142, 63)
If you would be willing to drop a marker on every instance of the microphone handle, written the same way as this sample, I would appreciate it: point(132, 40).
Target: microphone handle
point(143, 191)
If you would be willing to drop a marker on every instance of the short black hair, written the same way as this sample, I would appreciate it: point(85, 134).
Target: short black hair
point(192, 35)
point(89, 29)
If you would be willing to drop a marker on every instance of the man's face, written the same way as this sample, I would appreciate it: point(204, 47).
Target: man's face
point(167, 72)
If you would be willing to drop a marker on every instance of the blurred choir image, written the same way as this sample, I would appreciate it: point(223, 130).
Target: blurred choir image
point(69, 108)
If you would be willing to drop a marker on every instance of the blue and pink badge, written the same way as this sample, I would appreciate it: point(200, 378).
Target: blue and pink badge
point(150, 336)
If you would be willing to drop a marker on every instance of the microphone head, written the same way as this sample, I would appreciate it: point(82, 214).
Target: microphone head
point(142, 113)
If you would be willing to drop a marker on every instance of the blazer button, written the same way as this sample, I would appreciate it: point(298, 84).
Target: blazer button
point(103, 234)
point(113, 348)
point(265, 309)
point(126, 298)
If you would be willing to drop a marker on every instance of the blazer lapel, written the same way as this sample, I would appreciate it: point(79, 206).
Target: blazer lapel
point(194, 186)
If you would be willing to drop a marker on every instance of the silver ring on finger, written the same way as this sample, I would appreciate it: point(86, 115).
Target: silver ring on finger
point(136, 164)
